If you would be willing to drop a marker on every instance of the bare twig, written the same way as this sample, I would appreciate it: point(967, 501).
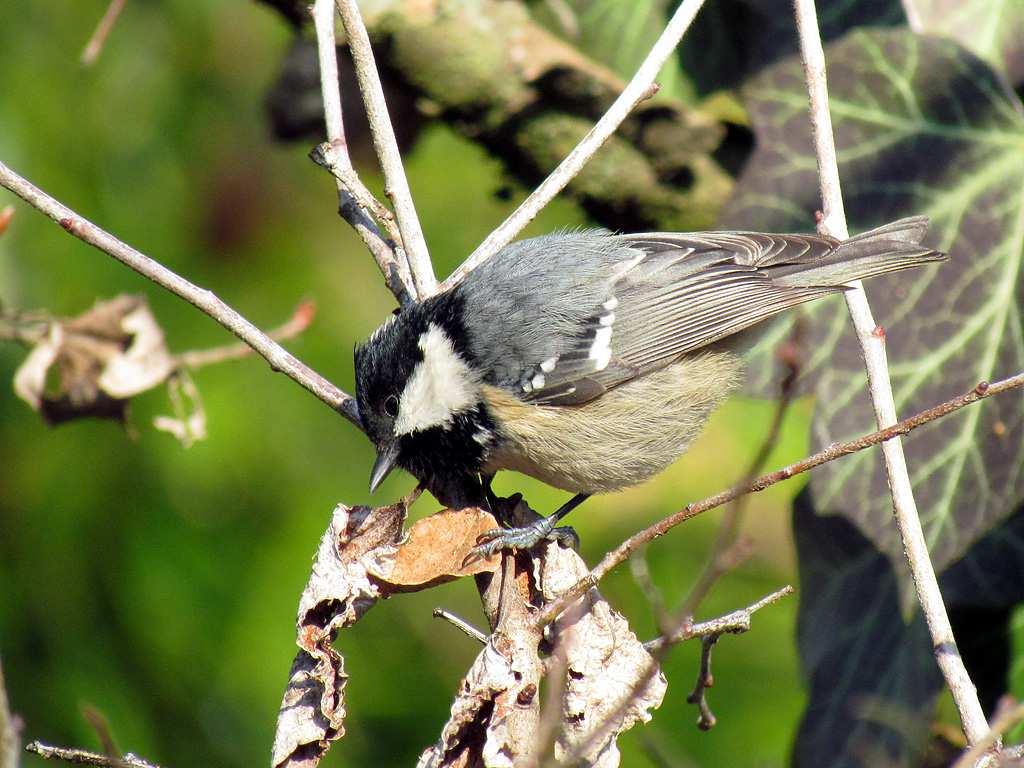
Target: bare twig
point(296, 324)
point(95, 45)
point(706, 719)
point(832, 452)
point(384, 142)
point(85, 757)
point(9, 747)
point(641, 87)
point(277, 356)
point(729, 550)
point(355, 202)
point(872, 342)
point(461, 624)
point(737, 622)
point(977, 752)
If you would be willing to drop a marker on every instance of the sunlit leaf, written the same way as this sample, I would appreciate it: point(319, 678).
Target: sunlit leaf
point(993, 29)
point(922, 126)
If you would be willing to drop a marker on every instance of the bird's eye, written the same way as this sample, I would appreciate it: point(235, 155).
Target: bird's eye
point(391, 406)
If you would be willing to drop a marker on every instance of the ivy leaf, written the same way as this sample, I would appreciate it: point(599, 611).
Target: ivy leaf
point(620, 36)
point(922, 126)
point(873, 680)
point(992, 29)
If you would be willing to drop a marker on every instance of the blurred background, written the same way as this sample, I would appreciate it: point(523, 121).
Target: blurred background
point(158, 584)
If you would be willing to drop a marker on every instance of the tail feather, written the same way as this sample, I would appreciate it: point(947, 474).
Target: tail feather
point(888, 248)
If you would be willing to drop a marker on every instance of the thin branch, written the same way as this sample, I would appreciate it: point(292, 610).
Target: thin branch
point(9, 748)
point(706, 719)
point(461, 624)
point(277, 356)
point(736, 622)
point(85, 757)
point(977, 752)
point(872, 342)
point(729, 550)
point(99, 38)
point(386, 145)
point(355, 202)
point(641, 87)
point(296, 324)
point(831, 453)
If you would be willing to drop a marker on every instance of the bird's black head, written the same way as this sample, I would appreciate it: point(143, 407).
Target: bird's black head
point(419, 396)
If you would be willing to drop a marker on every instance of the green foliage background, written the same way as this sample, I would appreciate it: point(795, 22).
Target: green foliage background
point(160, 584)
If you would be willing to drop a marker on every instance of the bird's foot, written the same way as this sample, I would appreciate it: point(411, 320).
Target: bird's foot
point(512, 536)
point(499, 539)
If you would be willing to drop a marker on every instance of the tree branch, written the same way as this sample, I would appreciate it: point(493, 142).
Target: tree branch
point(9, 751)
point(872, 342)
point(641, 87)
point(99, 37)
point(396, 184)
point(277, 356)
point(831, 453)
point(85, 757)
point(355, 203)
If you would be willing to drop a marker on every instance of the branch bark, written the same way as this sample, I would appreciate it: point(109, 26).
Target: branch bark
point(384, 141)
point(872, 342)
point(355, 202)
point(833, 452)
point(9, 749)
point(277, 356)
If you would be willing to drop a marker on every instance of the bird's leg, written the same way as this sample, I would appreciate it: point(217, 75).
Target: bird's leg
point(524, 537)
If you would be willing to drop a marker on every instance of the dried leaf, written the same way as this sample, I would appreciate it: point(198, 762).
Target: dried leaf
point(340, 590)
point(435, 548)
point(144, 364)
point(103, 357)
point(604, 661)
point(30, 378)
point(188, 424)
point(465, 739)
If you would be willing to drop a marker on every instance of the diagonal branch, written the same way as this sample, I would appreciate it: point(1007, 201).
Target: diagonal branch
point(872, 342)
point(355, 203)
point(278, 357)
point(833, 452)
point(641, 87)
point(384, 142)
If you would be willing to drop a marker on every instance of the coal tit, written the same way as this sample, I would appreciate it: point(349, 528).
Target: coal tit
point(587, 359)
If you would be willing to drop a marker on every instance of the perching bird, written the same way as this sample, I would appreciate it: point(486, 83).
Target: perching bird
point(586, 359)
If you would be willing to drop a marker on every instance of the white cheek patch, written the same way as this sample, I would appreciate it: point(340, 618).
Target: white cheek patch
point(441, 386)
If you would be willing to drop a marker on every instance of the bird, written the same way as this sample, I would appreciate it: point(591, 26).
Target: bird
point(587, 359)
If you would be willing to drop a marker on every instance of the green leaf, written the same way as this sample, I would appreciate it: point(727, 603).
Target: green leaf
point(993, 29)
point(922, 126)
point(620, 35)
point(872, 676)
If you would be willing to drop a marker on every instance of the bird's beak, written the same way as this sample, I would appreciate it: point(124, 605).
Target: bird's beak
point(387, 455)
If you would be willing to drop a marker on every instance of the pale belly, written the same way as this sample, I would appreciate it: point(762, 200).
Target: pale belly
point(622, 438)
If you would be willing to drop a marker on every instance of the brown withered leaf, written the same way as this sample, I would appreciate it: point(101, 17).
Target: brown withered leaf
point(102, 358)
point(604, 661)
point(339, 591)
point(363, 557)
point(435, 548)
point(467, 737)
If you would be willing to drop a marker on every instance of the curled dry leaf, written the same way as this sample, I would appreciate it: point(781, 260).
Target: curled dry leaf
point(188, 425)
point(362, 558)
point(605, 661)
point(103, 357)
point(468, 738)
point(435, 549)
